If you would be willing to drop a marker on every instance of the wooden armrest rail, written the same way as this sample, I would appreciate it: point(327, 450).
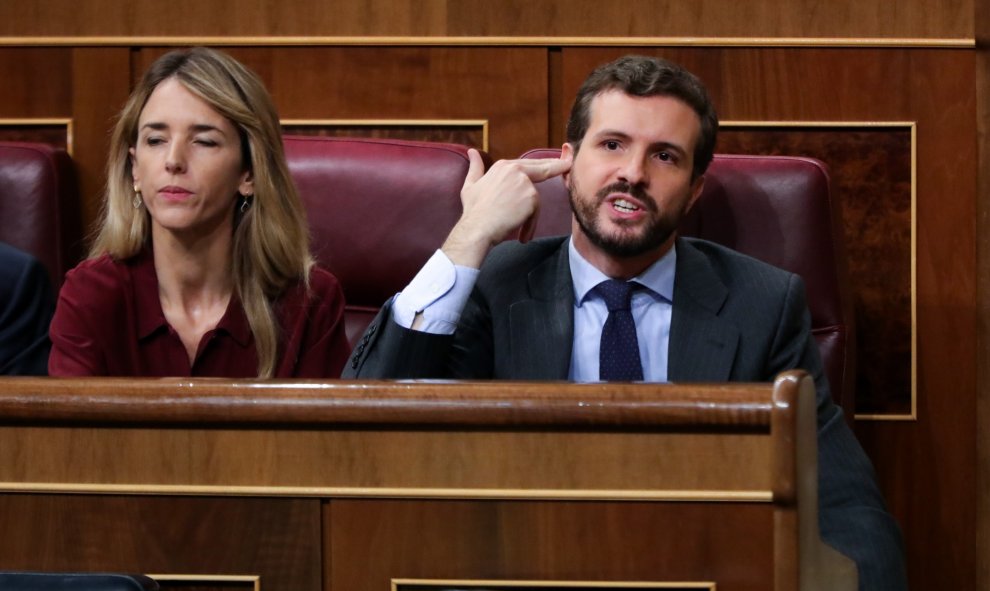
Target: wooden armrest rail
point(478, 404)
point(379, 437)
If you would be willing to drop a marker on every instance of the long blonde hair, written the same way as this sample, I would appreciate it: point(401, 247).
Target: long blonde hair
point(271, 240)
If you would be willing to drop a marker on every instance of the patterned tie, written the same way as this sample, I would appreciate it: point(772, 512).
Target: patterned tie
point(618, 357)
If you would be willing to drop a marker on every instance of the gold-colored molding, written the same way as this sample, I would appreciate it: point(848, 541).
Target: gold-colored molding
point(821, 124)
point(913, 127)
point(486, 41)
point(42, 121)
point(704, 496)
point(489, 584)
point(426, 123)
point(253, 580)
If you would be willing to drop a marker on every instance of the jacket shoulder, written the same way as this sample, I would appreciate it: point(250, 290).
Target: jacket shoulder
point(733, 267)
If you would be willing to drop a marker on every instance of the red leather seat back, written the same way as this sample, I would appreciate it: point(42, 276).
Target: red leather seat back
point(775, 208)
point(39, 205)
point(377, 209)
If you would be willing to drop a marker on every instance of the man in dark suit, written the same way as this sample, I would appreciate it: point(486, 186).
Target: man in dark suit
point(26, 307)
point(623, 298)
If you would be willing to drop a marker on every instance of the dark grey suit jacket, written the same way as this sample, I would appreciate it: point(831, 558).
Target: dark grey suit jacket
point(27, 303)
point(733, 319)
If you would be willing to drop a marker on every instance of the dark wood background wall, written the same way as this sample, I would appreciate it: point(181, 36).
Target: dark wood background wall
point(516, 64)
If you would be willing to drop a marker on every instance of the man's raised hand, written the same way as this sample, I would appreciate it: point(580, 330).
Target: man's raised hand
point(496, 203)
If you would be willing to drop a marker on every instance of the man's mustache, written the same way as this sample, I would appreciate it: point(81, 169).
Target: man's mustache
point(636, 191)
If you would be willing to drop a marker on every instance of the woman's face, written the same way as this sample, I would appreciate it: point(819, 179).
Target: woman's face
point(187, 164)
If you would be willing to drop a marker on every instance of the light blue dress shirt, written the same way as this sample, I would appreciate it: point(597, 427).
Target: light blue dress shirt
point(441, 289)
point(651, 309)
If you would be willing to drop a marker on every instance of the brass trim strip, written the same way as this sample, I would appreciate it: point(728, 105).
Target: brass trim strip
point(565, 41)
point(874, 417)
point(913, 127)
point(914, 272)
point(822, 124)
point(489, 583)
point(255, 580)
point(740, 496)
point(66, 121)
point(482, 123)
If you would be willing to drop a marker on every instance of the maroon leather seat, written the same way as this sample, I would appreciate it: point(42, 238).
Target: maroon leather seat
point(39, 205)
point(777, 209)
point(377, 209)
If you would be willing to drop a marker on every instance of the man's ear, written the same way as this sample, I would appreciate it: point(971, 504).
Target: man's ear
point(567, 152)
point(697, 186)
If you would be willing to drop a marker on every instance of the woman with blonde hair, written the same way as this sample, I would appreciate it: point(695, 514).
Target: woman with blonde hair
point(201, 266)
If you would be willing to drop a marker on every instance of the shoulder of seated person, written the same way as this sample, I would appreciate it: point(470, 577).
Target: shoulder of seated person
point(322, 280)
point(103, 274)
point(324, 290)
point(15, 264)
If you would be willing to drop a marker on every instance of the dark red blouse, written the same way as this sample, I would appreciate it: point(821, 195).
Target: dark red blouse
point(109, 322)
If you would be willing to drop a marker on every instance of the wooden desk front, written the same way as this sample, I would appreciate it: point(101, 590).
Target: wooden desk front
point(361, 486)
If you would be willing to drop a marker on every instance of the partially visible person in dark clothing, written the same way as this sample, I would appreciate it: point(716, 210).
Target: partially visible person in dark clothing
point(27, 303)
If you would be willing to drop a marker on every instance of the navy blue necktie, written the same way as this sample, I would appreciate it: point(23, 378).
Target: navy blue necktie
point(618, 357)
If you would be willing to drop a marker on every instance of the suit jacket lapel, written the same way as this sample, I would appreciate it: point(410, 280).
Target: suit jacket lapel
point(541, 327)
point(702, 345)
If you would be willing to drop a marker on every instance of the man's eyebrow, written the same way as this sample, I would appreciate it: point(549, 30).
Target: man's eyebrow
point(669, 146)
point(611, 133)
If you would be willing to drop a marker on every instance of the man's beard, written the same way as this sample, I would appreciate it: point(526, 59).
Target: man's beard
point(659, 228)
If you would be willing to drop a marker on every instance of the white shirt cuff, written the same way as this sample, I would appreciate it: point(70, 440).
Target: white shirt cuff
point(439, 291)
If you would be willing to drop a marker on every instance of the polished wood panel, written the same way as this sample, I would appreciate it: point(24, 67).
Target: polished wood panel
point(395, 461)
point(160, 418)
point(100, 86)
point(39, 82)
point(467, 134)
point(982, 578)
point(710, 18)
point(279, 539)
point(539, 18)
point(589, 541)
point(419, 443)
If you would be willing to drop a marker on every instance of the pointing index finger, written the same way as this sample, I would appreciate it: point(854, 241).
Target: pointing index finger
point(541, 169)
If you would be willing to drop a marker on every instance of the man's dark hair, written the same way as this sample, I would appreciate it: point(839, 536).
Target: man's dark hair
point(638, 75)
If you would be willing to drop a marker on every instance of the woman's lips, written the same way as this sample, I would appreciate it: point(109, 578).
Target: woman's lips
point(174, 193)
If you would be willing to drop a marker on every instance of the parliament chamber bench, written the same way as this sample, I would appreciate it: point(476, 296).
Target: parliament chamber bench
point(361, 486)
